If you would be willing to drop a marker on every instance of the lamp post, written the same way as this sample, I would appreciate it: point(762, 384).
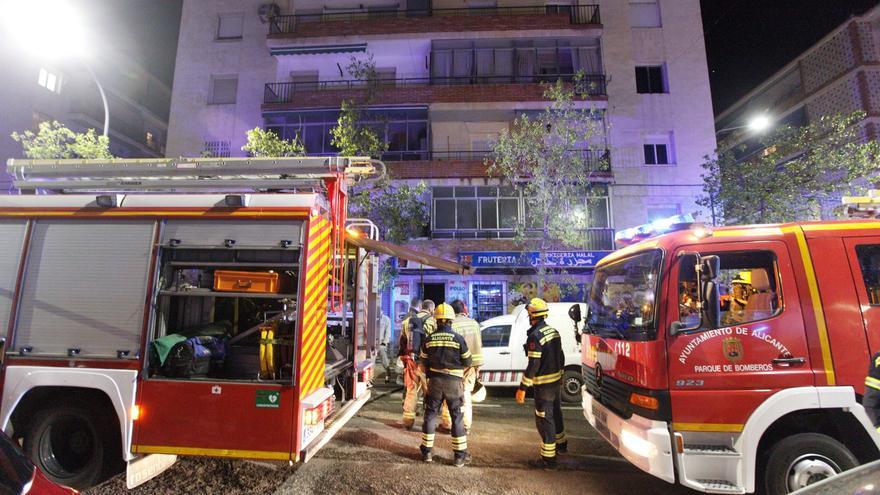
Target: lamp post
point(54, 28)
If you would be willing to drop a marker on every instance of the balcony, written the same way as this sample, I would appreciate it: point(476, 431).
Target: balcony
point(599, 239)
point(389, 22)
point(458, 89)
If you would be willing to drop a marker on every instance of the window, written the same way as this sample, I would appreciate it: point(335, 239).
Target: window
point(644, 13)
point(622, 298)
point(496, 336)
point(49, 80)
point(747, 289)
point(217, 149)
point(658, 150)
point(223, 90)
point(649, 79)
point(304, 80)
point(229, 27)
point(869, 262)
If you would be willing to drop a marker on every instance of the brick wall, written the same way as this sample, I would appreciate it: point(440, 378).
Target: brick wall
point(831, 59)
point(437, 169)
point(421, 94)
point(445, 24)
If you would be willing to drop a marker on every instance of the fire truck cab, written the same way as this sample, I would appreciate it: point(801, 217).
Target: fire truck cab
point(155, 308)
point(740, 366)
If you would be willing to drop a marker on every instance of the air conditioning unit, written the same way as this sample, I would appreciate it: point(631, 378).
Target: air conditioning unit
point(268, 10)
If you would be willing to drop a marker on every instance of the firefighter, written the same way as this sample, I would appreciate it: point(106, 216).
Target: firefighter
point(384, 339)
point(444, 356)
point(415, 329)
point(544, 372)
point(871, 399)
point(468, 328)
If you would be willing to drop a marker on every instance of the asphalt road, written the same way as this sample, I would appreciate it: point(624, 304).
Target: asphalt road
point(372, 454)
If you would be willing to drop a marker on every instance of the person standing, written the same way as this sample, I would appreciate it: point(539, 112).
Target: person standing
point(384, 339)
point(415, 329)
point(543, 348)
point(871, 399)
point(444, 356)
point(468, 328)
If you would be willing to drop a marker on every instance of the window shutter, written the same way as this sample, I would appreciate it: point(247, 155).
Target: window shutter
point(230, 27)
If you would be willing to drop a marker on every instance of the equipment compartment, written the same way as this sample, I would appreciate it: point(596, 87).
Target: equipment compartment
point(236, 281)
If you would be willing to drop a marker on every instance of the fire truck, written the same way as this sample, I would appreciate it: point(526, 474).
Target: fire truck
point(733, 359)
point(205, 307)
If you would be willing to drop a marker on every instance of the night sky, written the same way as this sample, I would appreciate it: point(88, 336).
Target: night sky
point(749, 40)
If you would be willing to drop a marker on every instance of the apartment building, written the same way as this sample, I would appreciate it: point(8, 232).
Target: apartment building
point(37, 90)
point(452, 75)
point(838, 74)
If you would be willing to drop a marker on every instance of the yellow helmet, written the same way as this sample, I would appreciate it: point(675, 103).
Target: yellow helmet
point(537, 307)
point(444, 312)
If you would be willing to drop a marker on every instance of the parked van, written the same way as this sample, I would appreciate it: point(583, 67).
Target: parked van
point(504, 358)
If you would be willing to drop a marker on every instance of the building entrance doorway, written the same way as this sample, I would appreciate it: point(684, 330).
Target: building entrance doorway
point(434, 292)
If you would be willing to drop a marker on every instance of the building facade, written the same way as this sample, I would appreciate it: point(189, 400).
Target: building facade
point(838, 74)
point(38, 90)
point(452, 74)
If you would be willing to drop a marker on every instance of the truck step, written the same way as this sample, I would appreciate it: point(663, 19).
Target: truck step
point(720, 486)
point(710, 450)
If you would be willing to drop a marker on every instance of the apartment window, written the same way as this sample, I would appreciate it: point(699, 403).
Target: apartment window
point(49, 80)
point(217, 149)
point(658, 150)
point(223, 90)
point(229, 26)
point(649, 79)
point(644, 13)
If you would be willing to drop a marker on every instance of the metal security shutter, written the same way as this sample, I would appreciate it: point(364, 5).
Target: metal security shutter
point(85, 287)
point(11, 239)
point(213, 233)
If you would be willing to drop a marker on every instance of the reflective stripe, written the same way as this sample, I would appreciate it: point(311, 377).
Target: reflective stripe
point(544, 379)
point(548, 450)
point(534, 354)
point(560, 437)
point(526, 382)
point(442, 343)
point(409, 415)
point(540, 414)
point(872, 382)
point(446, 371)
point(466, 355)
point(548, 338)
point(459, 443)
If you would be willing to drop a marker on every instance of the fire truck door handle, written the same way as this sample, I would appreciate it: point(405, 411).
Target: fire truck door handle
point(788, 361)
point(504, 353)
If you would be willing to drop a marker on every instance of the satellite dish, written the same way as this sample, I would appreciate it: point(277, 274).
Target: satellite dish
point(268, 10)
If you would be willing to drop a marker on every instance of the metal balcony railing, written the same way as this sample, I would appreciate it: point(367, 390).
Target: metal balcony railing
point(578, 14)
point(598, 239)
point(285, 92)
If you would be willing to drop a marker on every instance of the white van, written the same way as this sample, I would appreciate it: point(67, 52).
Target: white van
point(504, 358)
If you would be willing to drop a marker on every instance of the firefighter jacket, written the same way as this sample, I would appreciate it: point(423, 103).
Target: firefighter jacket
point(469, 329)
point(413, 331)
point(871, 399)
point(444, 353)
point(546, 361)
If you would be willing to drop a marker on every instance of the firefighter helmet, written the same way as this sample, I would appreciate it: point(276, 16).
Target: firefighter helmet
point(537, 308)
point(444, 312)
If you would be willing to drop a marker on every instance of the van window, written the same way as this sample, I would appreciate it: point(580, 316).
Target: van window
point(496, 336)
point(747, 285)
point(869, 262)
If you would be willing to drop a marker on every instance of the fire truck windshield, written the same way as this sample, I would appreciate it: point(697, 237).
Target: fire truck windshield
point(622, 300)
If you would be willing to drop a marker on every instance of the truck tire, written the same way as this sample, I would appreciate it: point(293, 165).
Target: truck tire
point(571, 386)
point(802, 460)
point(71, 444)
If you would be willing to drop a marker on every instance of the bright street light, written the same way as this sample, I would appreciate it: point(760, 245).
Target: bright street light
point(46, 28)
point(757, 124)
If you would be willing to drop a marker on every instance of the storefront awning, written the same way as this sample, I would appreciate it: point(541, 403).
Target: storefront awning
point(409, 255)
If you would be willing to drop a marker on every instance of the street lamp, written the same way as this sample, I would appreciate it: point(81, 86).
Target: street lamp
point(757, 124)
point(50, 26)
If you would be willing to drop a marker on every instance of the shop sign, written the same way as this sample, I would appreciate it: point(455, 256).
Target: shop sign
point(527, 259)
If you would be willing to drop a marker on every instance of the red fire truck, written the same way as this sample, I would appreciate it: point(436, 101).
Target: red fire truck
point(733, 359)
point(212, 307)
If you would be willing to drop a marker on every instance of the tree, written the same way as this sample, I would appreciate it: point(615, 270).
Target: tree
point(553, 159)
point(55, 141)
point(793, 173)
point(267, 143)
point(350, 135)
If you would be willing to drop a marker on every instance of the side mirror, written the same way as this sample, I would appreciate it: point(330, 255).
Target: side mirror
point(574, 312)
point(675, 328)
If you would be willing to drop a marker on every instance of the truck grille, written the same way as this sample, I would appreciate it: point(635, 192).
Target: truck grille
point(614, 394)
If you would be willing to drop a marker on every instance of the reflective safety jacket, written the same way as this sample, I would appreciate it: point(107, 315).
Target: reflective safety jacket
point(469, 329)
point(444, 353)
point(543, 347)
point(412, 334)
point(871, 399)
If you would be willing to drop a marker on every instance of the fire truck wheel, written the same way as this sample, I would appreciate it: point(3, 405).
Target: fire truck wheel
point(571, 386)
point(69, 444)
point(804, 459)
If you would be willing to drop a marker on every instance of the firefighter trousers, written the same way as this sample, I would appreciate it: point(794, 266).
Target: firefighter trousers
point(414, 381)
point(548, 419)
point(449, 391)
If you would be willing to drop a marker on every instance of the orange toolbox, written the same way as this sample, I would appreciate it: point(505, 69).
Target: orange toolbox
point(234, 281)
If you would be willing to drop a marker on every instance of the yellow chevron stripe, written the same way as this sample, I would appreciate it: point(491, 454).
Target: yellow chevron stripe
point(317, 256)
point(311, 351)
point(320, 237)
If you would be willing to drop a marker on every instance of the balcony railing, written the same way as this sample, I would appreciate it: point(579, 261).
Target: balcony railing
point(599, 239)
point(578, 14)
point(594, 160)
point(285, 92)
